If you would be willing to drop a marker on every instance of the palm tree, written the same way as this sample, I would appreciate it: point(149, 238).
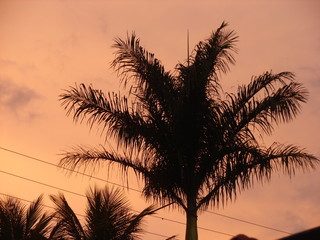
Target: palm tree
point(108, 217)
point(20, 223)
point(191, 143)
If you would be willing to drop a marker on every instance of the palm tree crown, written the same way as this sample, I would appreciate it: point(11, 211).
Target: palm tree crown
point(191, 144)
point(20, 223)
point(108, 217)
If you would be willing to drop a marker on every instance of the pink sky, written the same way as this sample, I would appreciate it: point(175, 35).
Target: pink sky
point(47, 46)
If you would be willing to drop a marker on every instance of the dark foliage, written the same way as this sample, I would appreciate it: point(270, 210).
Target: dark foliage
point(190, 143)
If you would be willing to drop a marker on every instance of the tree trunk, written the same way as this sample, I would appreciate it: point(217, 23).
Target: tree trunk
point(192, 228)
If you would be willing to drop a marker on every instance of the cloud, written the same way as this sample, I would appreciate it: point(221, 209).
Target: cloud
point(17, 99)
point(308, 189)
point(297, 224)
point(22, 68)
point(304, 200)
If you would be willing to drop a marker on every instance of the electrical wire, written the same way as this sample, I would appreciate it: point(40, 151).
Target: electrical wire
point(41, 183)
point(244, 221)
point(22, 199)
point(68, 169)
point(81, 195)
point(136, 190)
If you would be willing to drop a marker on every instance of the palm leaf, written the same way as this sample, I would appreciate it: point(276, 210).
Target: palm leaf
point(82, 157)
point(67, 219)
point(275, 105)
point(134, 226)
point(33, 214)
point(12, 218)
point(106, 213)
point(210, 57)
point(152, 85)
point(245, 165)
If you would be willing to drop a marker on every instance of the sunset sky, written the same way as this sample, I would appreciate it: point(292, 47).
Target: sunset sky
point(47, 46)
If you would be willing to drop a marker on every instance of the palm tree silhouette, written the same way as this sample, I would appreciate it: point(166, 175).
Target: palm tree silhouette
point(20, 223)
point(192, 144)
point(108, 217)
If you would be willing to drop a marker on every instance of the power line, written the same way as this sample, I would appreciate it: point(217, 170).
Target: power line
point(100, 179)
point(68, 169)
point(22, 199)
point(156, 234)
point(47, 206)
point(81, 195)
point(25, 200)
point(136, 190)
point(202, 228)
point(244, 221)
point(41, 183)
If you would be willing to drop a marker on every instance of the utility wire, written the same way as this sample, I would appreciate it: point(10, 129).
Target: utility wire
point(47, 206)
point(68, 169)
point(81, 195)
point(25, 200)
point(136, 190)
point(41, 183)
point(22, 199)
point(244, 221)
point(202, 228)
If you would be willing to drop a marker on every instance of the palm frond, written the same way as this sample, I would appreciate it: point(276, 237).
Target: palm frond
point(104, 210)
point(277, 103)
point(6, 228)
point(12, 218)
point(19, 222)
point(290, 158)
point(211, 57)
point(267, 82)
point(67, 219)
point(43, 226)
point(82, 157)
point(125, 123)
point(134, 226)
point(33, 214)
point(153, 86)
point(245, 165)
point(85, 101)
point(57, 231)
point(109, 215)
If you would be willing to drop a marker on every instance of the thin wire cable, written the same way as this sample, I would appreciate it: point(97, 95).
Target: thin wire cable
point(202, 228)
point(156, 234)
point(244, 221)
point(41, 183)
point(68, 169)
point(81, 195)
point(136, 190)
point(25, 200)
point(47, 206)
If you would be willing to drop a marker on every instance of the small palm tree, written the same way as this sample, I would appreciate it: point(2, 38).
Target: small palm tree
point(108, 217)
point(191, 143)
point(20, 223)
